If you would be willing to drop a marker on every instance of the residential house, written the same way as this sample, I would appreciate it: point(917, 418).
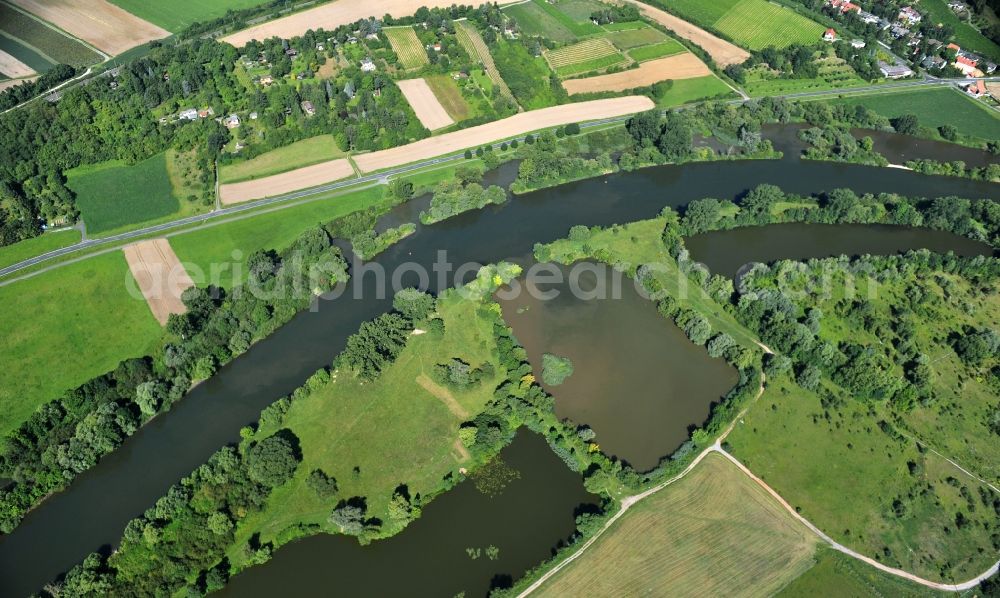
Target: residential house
point(830, 35)
point(232, 121)
point(909, 15)
point(976, 89)
point(253, 116)
point(894, 71)
point(189, 114)
point(857, 43)
point(954, 46)
point(967, 65)
point(372, 36)
point(934, 62)
point(266, 80)
point(868, 18)
point(367, 65)
point(320, 47)
point(206, 112)
point(308, 107)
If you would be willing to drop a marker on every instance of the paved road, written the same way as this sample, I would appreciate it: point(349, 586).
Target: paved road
point(222, 213)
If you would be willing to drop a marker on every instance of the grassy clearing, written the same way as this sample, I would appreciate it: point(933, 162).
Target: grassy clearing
point(22, 250)
point(639, 243)
point(307, 152)
point(966, 36)
point(836, 575)
point(580, 28)
point(61, 330)
point(533, 21)
point(667, 48)
point(174, 16)
point(831, 460)
point(627, 39)
point(44, 40)
point(756, 24)
point(684, 91)
point(407, 46)
point(112, 195)
point(933, 108)
point(372, 437)
point(580, 10)
point(714, 532)
point(446, 91)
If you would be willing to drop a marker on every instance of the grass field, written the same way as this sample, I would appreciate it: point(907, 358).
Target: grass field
point(533, 21)
point(579, 10)
point(446, 91)
point(113, 195)
point(683, 91)
point(966, 36)
point(667, 48)
point(372, 437)
point(42, 40)
point(583, 57)
point(836, 575)
point(626, 39)
point(756, 24)
point(933, 108)
point(62, 329)
point(581, 25)
point(178, 14)
point(28, 56)
point(307, 152)
point(702, 12)
point(712, 533)
point(407, 46)
point(22, 250)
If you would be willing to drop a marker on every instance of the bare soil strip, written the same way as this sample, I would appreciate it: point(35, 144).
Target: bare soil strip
point(100, 23)
point(302, 178)
point(679, 66)
point(160, 275)
point(518, 124)
point(333, 15)
point(444, 395)
point(721, 51)
point(425, 104)
point(14, 68)
point(12, 82)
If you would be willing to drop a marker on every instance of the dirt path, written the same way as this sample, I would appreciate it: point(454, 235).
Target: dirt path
point(106, 26)
point(678, 66)
point(444, 395)
point(629, 501)
point(721, 51)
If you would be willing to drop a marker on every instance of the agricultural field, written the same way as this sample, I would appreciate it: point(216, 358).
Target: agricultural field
point(679, 66)
point(575, 16)
point(639, 34)
point(833, 72)
point(684, 91)
point(714, 532)
point(667, 48)
point(934, 108)
point(533, 21)
point(425, 104)
point(97, 22)
point(702, 12)
point(756, 24)
point(407, 46)
point(592, 54)
point(81, 309)
point(474, 45)
point(400, 429)
point(306, 152)
point(724, 53)
point(39, 45)
point(447, 92)
point(176, 15)
point(579, 10)
point(113, 195)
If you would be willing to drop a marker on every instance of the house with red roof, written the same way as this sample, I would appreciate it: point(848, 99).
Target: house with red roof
point(830, 35)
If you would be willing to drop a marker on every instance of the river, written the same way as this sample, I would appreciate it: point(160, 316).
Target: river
point(92, 513)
